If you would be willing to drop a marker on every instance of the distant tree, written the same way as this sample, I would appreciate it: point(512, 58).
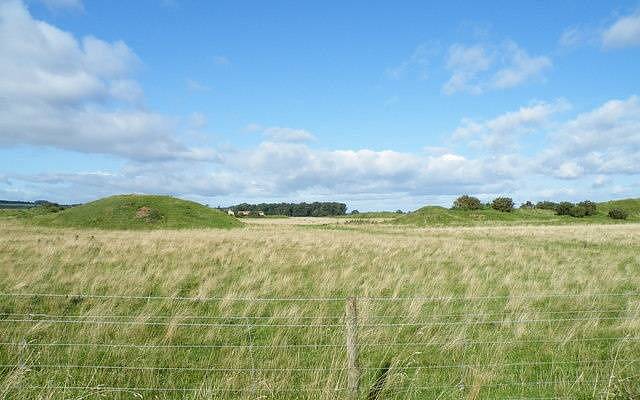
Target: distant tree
point(466, 202)
point(316, 209)
point(504, 204)
point(590, 207)
point(546, 205)
point(578, 211)
point(564, 208)
point(399, 212)
point(618, 213)
point(354, 212)
point(527, 204)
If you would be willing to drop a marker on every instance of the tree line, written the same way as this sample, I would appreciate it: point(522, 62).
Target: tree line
point(505, 204)
point(315, 209)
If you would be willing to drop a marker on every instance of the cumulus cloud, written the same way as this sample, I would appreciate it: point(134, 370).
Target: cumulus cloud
point(624, 32)
point(476, 69)
point(280, 134)
point(520, 67)
point(466, 63)
point(605, 140)
point(284, 170)
point(76, 94)
point(502, 132)
point(601, 143)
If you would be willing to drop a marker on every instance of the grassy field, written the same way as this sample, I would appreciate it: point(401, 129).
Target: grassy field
point(446, 313)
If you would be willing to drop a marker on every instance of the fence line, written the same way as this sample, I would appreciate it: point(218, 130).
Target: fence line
point(324, 299)
point(164, 389)
point(261, 325)
point(374, 327)
point(150, 368)
point(326, 317)
point(303, 389)
point(323, 345)
point(395, 367)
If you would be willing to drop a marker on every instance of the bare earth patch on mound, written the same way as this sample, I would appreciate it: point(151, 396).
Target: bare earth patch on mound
point(148, 214)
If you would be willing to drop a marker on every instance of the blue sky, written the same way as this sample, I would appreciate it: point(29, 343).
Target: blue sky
point(382, 105)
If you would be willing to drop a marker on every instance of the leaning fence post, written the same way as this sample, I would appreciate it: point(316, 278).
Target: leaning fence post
point(353, 368)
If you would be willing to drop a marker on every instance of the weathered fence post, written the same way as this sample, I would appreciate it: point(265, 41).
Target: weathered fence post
point(253, 361)
point(353, 368)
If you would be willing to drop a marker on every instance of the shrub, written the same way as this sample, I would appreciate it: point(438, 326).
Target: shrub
point(618, 213)
point(466, 202)
point(578, 211)
point(504, 204)
point(527, 204)
point(399, 212)
point(355, 212)
point(564, 208)
point(589, 206)
point(546, 205)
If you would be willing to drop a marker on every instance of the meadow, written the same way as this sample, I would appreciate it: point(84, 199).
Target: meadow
point(257, 312)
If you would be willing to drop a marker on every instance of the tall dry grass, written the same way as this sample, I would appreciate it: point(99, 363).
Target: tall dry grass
point(472, 321)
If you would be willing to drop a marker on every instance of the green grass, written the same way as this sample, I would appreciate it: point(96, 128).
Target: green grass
point(135, 212)
point(440, 216)
point(25, 213)
point(469, 347)
point(632, 206)
point(372, 214)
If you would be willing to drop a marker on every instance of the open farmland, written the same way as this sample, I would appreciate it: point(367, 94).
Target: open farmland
point(258, 312)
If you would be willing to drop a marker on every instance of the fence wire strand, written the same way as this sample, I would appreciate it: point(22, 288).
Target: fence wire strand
point(371, 325)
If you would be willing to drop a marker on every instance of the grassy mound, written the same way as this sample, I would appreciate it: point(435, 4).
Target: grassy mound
point(632, 206)
point(434, 215)
point(138, 212)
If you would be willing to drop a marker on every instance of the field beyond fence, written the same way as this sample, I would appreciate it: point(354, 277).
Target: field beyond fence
point(295, 312)
point(358, 346)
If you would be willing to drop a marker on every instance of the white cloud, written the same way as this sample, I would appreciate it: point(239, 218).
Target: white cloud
point(520, 68)
point(466, 63)
point(76, 94)
point(280, 134)
point(501, 132)
point(625, 32)
point(600, 181)
point(283, 170)
point(576, 36)
point(476, 69)
point(569, 170)
point(605, 140)
point(602, 143)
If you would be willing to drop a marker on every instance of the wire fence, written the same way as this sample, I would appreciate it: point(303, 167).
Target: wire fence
point(527, 346)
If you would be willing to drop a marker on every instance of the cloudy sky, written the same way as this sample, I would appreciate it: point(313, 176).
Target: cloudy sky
point(382, 105)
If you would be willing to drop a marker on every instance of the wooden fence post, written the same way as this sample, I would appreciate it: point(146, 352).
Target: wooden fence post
point(353, 368)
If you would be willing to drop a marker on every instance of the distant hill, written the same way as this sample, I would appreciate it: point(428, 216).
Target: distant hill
point(632, 206)
point(435, 215)
point(138, 212)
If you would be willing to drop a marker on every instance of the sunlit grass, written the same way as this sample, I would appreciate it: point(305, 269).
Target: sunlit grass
point(473, 324)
